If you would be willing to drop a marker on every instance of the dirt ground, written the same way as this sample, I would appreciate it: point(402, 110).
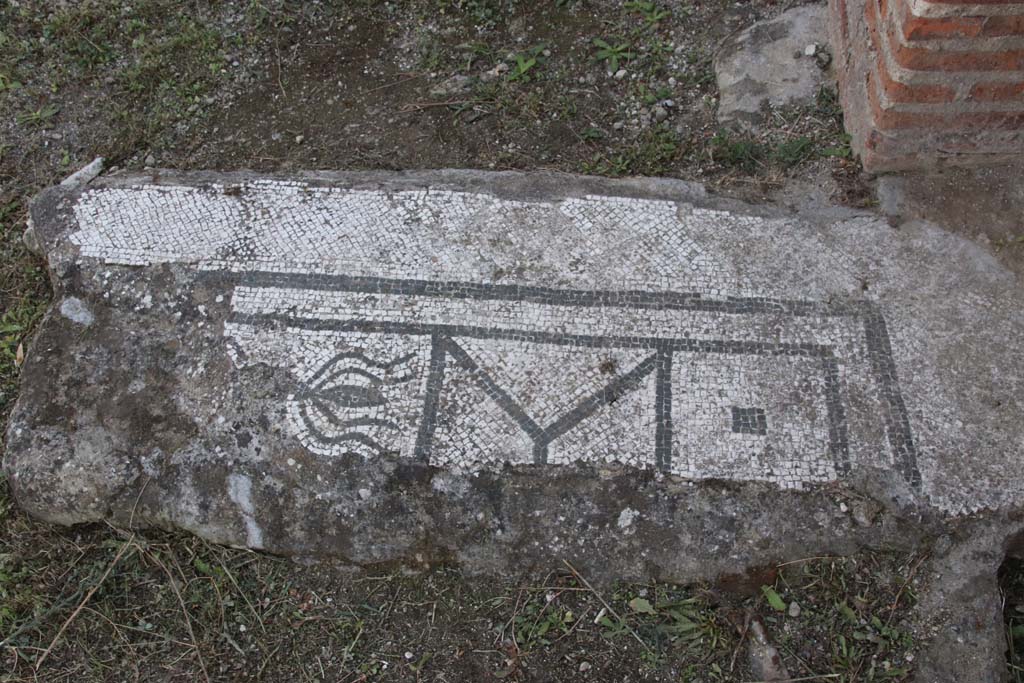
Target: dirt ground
point(491, 84)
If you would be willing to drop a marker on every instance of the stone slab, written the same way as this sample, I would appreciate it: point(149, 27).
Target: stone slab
point(775, 61)
point(502, 370)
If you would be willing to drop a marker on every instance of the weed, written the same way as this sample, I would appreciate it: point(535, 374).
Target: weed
point(652, 14)
point(649, 96)
point(652, 153)
point(39, 116)
point(792, 152)
point(538, 622)
point(8, 84)
point(843, 150)
point(750, 155)
point(611, 54)
point(827, 105)
point(744, 154)
point(525, 62)
point(483, 13)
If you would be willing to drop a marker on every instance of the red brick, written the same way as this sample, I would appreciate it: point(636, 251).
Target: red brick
point(925, 59)
point(915, 94)
point(919, 59)
point(889, 119)
point(997, 92)
point(941, 28)
point(844, 20)
point(917, 121)
point(924, 28)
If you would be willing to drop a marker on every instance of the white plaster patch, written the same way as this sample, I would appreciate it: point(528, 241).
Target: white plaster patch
point(240, 493)
point(75, 310)
point(627, 517)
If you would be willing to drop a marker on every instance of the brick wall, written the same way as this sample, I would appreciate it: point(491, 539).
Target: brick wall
point(927, 83)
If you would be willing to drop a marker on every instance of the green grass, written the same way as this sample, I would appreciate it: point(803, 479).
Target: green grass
point(751, 155)
point(653, 152)
point(159, 600)
point(1011, 577)
point(148, 64)
point(23, 281)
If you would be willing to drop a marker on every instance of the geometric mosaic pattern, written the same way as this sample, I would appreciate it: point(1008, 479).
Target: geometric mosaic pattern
point(420, 324)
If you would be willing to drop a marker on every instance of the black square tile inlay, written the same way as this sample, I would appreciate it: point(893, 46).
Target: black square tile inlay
point(749, 421)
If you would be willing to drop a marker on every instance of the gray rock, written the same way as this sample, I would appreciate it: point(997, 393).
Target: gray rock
point(31, 242)
point(768, 63)
point(503, 370)
point(459, 83)
point(765, 660)
point(84, 175)
point(500, 69)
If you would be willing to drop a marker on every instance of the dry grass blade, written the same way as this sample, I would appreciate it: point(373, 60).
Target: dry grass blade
point(85, 601)
point(608, 607)
point(802, 679)
point(184, 610)
point(899, 594)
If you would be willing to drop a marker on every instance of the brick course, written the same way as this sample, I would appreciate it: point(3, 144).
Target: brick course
point(927, 83)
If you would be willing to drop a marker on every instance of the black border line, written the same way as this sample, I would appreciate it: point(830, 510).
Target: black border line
point(663, 412)
point(585, 298)
point(435, 380)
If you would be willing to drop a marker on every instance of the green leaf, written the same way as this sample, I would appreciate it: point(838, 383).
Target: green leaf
point(848, 613)
point(773, 599)
point(641, 606)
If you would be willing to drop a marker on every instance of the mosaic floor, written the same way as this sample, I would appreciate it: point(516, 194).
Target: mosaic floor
point(471, 332)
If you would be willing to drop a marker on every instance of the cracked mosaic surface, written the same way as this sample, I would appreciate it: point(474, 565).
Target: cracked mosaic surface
point(470, 331)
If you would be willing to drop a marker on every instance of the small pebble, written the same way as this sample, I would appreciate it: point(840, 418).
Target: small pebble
point(584, 667)
point(811, 50)
point(299, 139)
point(620, 74)
point(794, 609)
